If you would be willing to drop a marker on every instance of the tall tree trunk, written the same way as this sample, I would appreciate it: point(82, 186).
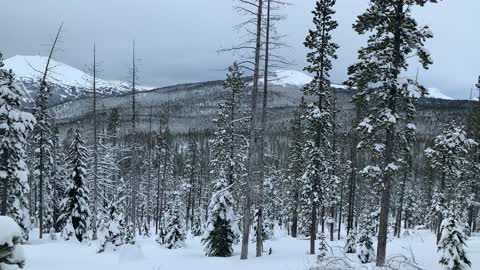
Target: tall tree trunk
point(251, 150)
point(134, 152)
point(259, 242)
point(95, 154)
point(390, 140)
point(294, 230)
point(353, 173)
point(398, 221)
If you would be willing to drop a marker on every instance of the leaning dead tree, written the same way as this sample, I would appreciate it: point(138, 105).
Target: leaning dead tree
point(42, 137)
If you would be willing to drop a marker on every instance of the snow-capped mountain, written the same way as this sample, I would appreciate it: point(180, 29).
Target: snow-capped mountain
point(297, 78)
point(65, 82)
point(437, 93)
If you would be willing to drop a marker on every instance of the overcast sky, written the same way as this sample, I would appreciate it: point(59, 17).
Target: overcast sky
point(177, 41)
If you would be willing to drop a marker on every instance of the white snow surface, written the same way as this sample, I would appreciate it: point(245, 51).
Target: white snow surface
point(288, 254)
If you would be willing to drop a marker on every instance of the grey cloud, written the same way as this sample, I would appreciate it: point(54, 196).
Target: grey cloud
point(177, 40)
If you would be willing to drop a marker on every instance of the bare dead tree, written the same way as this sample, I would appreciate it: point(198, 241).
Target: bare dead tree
point(43, 91)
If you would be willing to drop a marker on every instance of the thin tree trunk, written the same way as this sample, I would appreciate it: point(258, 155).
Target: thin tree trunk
point(95, 154)
point(398, 221)
point(251, 150)
point(259, 242)
point(134, 154)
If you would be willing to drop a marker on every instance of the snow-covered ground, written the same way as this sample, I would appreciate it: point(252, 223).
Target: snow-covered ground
point(288, 254)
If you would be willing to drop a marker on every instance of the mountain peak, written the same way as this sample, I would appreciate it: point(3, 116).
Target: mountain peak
point(66, 81)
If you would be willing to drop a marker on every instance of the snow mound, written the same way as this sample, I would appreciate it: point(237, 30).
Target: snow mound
point(9, 230)
point(437, 93)
point(130, 253)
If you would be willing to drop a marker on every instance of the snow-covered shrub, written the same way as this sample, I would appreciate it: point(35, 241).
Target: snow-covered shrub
point(11, 253)
point(452, 245)
point(129, 235)
point(351, 244)
point(219, 233)
point(322, 247)
point(53, 235)
point(68, 231)
point(115, 230)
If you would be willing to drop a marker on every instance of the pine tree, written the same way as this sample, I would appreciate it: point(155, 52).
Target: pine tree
point(296, 165)
point(394, 37)
point(318, 116)
point(115, 227)
point(220, 228)
point(365, 251)
point(175, 235)
point(42, 142)
point(75, 206)
point(59, 177)
point(198, 222)
point(452, 245)
point(448, 157)
point(14, 128)
point(192, 171)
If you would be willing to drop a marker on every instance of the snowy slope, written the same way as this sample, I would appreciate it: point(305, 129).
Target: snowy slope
point(67, 82)
point(437, 93)
point(297, 78)
point(290, 77)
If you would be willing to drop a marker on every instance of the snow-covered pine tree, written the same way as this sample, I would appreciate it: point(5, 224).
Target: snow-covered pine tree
point(228, 145)
point(394, 37)
point(452, 245)
point(43, 162)
point(75, 206)
point(115, 227)
point(318, 115)
point(365, 251)
point(14, 128)
point(474, 157)
point(448, 158)
point(221, 224)
point(296, 166)
point(175, 235)
point(198, 222)
point(59, 177)
point(192, 173)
